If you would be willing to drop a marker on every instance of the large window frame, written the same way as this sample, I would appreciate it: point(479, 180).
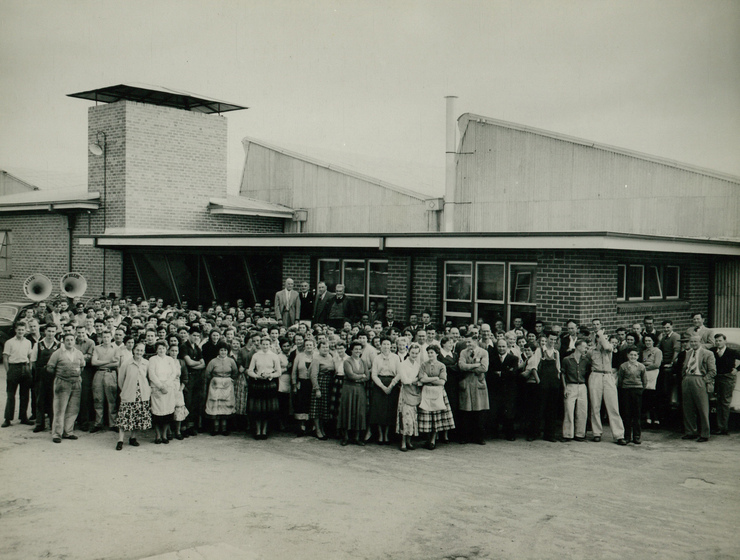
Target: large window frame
point(368, 294)
point(476, 305)
point(652, 285)
point(4, 252)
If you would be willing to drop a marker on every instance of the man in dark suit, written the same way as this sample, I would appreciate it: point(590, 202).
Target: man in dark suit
point(390, 321)
point(502, 380)
point(307, 297)
point(342, 309)
point(568, 339)
point(322, 304)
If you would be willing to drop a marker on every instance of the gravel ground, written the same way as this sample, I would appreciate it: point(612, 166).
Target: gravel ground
point(301, 498)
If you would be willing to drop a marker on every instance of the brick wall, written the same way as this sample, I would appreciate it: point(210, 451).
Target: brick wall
point(398, 286)
point(38, 244)
point(296, 265)
point(427, 285)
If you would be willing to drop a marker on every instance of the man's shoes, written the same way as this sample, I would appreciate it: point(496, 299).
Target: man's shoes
point(511, 438)
point(550, 439)
point(360, 443)
point(70, 436)
point(531, 438)
point(597, 439)
point(38, 429)
point(132, 442)
point(5, 424)
point(480, 441)
point(689, 436)
point(27, 422)
point(566, 439)
point(579, 438)
point(119, 446)
point(723, 433)
point(621, 441)
point(702, 440)
point(95, 429)
point(344, 442)
point(636, 441)
point(57, 440)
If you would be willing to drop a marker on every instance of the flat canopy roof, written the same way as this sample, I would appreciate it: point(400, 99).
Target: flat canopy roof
point(156, 95)
point(600, 240)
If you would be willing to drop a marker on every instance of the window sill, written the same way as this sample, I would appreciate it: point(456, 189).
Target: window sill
point(624, 307)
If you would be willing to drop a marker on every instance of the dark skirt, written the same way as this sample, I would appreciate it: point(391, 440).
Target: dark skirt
point(383, 408)
point(337, 383)
point(262, 400)
point(352, 407)
point(302, 400)
point(320, 405)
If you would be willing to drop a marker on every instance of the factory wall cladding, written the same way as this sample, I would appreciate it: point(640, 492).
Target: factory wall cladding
point(514, 179)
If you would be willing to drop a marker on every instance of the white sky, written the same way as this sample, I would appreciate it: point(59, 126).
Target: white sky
point(362, 82)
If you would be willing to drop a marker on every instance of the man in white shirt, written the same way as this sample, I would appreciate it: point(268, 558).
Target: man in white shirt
point(17, 362)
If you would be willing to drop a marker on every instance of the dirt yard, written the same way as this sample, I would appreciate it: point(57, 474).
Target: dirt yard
point(302, 498)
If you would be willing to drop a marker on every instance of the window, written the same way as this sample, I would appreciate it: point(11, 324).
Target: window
point(481, 290)
point(4, 258)
point(636, 282)
point(364, 280)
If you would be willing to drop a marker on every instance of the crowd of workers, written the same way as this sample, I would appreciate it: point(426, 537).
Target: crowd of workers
point(311, 364)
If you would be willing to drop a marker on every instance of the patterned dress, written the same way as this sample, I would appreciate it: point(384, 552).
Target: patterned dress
point(408, 399)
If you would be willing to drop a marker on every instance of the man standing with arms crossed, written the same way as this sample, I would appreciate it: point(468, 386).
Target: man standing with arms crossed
point(602, 386)
point(17, 362)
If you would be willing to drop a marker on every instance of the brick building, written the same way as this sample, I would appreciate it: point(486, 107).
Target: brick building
point(541, 225)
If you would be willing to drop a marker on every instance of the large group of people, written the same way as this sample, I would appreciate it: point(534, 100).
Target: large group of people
point(312, 364)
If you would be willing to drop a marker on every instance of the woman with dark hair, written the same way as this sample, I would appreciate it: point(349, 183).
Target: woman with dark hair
point(435, 414)
point(409, 397)
point(449, 358)
point(651, 358)
point(180, 371)
point(219, 378)
point(301, 384)
point(210, 346)
point(162, 382)
point(263, 372)
point(384, 400)
point(134, 413)
point(322, 372)
point(353, 401)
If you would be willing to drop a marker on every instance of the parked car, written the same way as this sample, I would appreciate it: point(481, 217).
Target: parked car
point(10, 312)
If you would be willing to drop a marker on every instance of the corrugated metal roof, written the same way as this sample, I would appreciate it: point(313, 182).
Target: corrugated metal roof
point(467, 117)
point(158, 95)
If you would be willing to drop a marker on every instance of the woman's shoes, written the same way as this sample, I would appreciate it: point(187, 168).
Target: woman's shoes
point(322, 438)
point(165, 440)
point(179, 436)
point(410, 446)
point(157, 441)
point(344, 442)
point(403, 449)
point(430, 446)
point(119, 446)
point(132, 442)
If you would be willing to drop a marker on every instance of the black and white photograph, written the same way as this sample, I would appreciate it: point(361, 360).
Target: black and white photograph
point(354, 279)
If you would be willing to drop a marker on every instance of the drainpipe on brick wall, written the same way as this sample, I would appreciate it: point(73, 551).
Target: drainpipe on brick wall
point(71, 220)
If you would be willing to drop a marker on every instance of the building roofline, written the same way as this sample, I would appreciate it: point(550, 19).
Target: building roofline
point(246, 206)
point(465, 119)
point(50, 201)
point(600, 240)
point(343, 170)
